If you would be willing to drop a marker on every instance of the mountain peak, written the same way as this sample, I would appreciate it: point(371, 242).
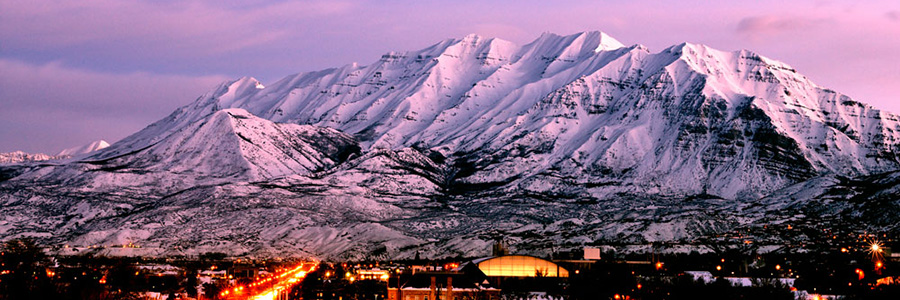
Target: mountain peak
point(606, 42)
point(474, 37)
point(231, 91)
point(84, 149)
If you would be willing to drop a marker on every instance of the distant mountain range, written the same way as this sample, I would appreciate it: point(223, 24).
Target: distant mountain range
point(563, 142)
point(23, 157)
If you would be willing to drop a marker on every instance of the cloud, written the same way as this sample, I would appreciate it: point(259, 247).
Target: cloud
point(893, 15)
point(154, 29)
point(87, 21)
point(50, 107)
point(761, 26)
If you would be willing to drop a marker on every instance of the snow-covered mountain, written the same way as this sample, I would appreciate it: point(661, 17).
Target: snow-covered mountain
point(23, 157)
point(16, 157)
point(567, 140)
point(229, 145)
point(686, 120)
point(84, 149)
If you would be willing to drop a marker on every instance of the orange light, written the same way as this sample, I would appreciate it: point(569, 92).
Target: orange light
point(718, 268)
point(659, 265)
point(777, 267)
point(639, 286)
point(844, 250)
point(879, 265)
point(616, 296)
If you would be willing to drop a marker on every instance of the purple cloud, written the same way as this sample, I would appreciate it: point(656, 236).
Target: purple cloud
point(893, 15)
point(50, 107)
point(162, 36)
point(176, 25)
point(761, 26)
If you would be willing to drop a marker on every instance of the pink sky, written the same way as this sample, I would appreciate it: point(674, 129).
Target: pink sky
point(76, 71)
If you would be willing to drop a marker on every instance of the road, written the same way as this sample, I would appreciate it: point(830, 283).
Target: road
point(272, 287)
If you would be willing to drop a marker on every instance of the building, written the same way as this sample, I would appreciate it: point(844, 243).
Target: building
point(521, 273)
point(244, 272)
point(591, 253)
point(466, 285)
point(373, 274)
point(519, 266)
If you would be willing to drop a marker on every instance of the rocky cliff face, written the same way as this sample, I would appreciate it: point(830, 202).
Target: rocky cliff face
point(564, 141)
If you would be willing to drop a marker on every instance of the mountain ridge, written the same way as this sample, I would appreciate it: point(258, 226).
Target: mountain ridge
point(430, 104)
point(567, 140)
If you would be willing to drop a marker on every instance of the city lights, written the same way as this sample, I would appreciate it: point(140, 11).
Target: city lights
point(269, 286)
point(876, 250)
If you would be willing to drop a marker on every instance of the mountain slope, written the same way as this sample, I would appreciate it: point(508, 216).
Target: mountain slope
point(225, 146)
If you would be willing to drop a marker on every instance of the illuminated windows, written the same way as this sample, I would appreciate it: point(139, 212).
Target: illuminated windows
point(521, 266)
